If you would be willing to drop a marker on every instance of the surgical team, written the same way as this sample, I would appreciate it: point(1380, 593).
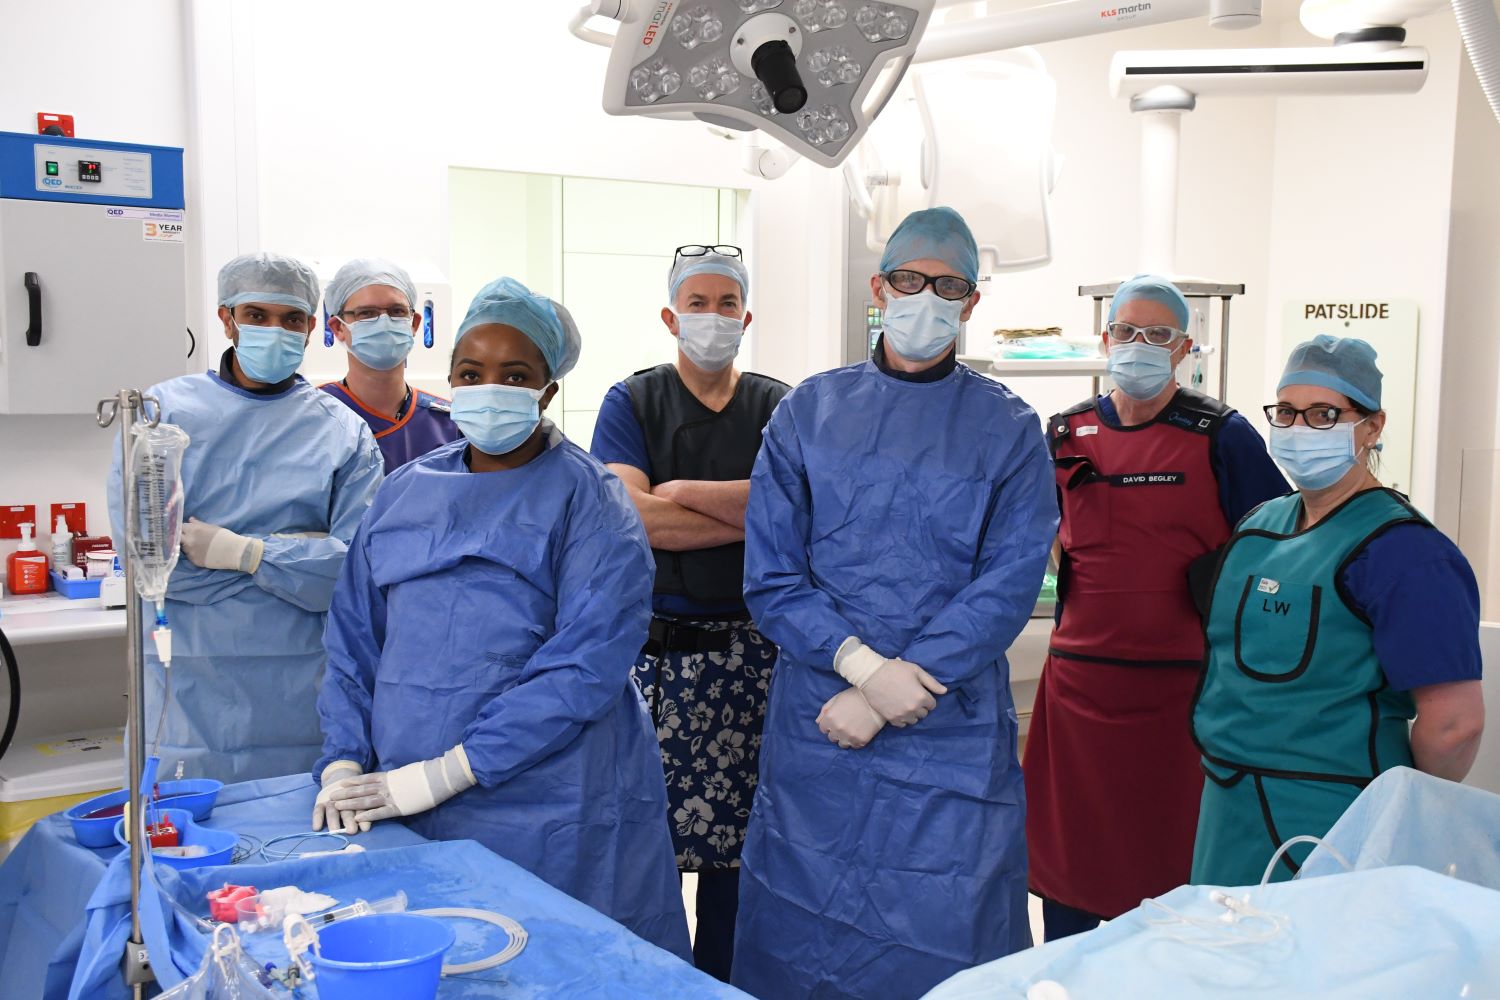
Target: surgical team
point(758, 632)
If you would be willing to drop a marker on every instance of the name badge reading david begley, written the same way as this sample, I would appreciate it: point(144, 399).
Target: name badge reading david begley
point(1268, 586)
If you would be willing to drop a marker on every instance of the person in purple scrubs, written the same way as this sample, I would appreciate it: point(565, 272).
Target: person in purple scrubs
point(372, 310)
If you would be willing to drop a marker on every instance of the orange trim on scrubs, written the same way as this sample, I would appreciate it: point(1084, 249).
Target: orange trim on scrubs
point(397, 425)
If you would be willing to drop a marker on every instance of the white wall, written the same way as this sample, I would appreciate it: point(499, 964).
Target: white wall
point(1361, 194)
point(1223, 215)
point(1470, 397)
point(385, 101)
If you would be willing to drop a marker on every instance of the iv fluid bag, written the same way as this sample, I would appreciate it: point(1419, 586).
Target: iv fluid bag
point(156, 477)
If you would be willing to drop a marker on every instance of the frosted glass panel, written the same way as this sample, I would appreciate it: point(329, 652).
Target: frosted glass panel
point(603, 248)
point(627, 217)
point(617, 301)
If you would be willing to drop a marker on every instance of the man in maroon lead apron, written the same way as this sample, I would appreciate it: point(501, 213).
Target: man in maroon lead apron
point(1150, 478)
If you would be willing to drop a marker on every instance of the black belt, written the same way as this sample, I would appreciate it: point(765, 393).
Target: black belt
point(677, 637)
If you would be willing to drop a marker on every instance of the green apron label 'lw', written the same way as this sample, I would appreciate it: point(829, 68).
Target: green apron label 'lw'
point(1294, 715)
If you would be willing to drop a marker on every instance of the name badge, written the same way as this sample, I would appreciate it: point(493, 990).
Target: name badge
point(1088, 430)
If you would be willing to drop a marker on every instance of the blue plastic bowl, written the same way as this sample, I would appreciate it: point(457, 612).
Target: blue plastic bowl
point(97, 832)
point(196, 795)
point(220, 843)
point(394, 956)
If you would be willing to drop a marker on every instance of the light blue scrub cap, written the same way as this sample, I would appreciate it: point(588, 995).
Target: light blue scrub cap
point(547, 323)
point(270, 278)
point(1151, 288)
point(684, 268)
point(1343, 364)
point(933, 234)
point(362, 272)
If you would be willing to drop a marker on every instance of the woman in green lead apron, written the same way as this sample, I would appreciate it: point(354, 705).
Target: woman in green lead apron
point(1338, 613)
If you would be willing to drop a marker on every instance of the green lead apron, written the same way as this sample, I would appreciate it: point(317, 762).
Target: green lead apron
point(1293, 714)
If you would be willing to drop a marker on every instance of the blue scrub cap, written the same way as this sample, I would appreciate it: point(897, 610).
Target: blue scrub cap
point(362, 272)
point(547, 323)
point(270, 278)
point(936, 234)
point(684, 268)
point(1343, 364)
point(1151, 288)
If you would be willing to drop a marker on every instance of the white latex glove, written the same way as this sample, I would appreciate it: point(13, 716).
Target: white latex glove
point(335, 774)
point(901, 692)
point(848, 720)
point(213, 547)
point(405, 791)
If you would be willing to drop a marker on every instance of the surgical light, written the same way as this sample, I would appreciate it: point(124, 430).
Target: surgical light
point(811, 73)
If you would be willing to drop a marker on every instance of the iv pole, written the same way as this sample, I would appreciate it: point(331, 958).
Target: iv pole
point(129, 407)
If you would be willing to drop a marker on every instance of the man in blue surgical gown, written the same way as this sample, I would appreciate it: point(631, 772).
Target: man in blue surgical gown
point(900, 517)
point(276, 477)
point(482, 638)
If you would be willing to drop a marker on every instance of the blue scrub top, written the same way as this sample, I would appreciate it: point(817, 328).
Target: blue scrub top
point(423, 425)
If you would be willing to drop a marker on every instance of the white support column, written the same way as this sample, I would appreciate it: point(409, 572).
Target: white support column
point(1161, 112)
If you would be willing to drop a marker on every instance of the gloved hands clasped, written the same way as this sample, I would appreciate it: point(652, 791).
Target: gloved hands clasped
point(848, 720)
point(212, 547)
point(901, 692)
point(406, 791)
point(338, 773)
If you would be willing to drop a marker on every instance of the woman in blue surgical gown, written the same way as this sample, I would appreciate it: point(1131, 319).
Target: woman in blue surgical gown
point(481, 640)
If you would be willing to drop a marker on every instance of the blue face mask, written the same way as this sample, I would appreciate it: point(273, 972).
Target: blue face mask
point(1141, 371)
point(269, 354)
point(496, 419)
point(921, 327)
point(1314, 459)
point(381, 343)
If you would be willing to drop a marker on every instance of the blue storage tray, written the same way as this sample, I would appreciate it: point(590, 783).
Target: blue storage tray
point(74, 590)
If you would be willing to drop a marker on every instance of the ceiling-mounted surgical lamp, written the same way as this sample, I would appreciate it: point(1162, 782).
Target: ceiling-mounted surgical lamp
point(815, 73)
point(812, 73)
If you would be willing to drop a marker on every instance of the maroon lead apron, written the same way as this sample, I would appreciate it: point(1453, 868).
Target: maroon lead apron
point(1112, 775)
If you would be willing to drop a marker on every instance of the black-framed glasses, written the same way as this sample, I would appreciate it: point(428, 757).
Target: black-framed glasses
point(364, 313)
point(1156, 336)
point(947, 286)
point(701, 250)
point(1321, 417)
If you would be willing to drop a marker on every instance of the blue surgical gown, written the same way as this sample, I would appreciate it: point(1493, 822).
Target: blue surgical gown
point(247, 649)
point(917, 517)
point(504, 611)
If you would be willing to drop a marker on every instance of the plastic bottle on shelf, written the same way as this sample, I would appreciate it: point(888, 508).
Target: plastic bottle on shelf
point(26, 572)
point(62, 544)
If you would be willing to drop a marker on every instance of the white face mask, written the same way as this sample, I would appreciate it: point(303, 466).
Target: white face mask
point(923, 326)
point(709, 340)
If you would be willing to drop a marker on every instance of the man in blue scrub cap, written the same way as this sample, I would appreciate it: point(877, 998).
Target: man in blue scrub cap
point(276, 479)
point(372, 309)
point(900, 516)
point(683, 438)
point(481, 640)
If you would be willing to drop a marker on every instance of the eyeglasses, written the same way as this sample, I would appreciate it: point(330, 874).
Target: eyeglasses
point(947, 286)
point(1156, 336)
point(699, 250)
point(364, 313)
point(1319, 418)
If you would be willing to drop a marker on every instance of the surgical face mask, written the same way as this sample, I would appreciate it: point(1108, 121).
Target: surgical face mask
point(1141, 371)
point(381, 343)
point(496, 419)
point(269, 354)
point(709, 340)
point(1314, 459)
point(921, 327)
